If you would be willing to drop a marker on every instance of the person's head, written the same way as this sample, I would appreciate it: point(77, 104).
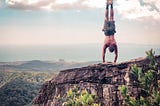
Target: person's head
point(111, 48)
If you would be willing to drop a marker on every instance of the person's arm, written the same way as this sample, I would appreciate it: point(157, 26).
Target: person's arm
point(105, 46)
point(116, 54)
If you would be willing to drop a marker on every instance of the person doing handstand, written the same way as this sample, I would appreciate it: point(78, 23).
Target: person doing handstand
point(109, 30)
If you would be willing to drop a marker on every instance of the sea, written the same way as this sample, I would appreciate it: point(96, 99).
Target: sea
point(73, 53)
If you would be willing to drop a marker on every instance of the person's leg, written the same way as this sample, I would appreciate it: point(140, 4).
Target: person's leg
point(111, 13)
point(106, 12)
point(106, 18)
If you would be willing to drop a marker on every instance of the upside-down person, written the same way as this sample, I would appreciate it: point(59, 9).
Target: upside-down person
point(109, 31)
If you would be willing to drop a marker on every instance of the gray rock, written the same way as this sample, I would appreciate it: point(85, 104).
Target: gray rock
point(102, 80)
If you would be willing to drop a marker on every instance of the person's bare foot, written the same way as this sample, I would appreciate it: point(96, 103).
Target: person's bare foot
point(109, 2)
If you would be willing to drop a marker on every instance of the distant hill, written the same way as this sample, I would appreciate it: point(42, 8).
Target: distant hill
point(18, 88)
point(42, 66)
point(20, 81)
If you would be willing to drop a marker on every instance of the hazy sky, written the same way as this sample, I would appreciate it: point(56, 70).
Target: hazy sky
point(49, 22)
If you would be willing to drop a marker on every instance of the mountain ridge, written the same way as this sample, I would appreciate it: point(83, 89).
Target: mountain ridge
point(41, 66)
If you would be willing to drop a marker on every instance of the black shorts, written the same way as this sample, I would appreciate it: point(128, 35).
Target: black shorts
point(109, 28)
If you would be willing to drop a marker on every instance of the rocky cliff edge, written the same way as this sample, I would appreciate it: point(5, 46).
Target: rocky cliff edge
point(102, 80)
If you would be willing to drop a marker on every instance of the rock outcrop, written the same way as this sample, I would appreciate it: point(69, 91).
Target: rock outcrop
point(102, 80)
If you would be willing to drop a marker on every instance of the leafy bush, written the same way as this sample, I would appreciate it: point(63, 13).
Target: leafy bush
point(148, 83)
point(76, 97)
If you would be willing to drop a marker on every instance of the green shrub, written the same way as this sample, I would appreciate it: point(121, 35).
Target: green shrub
point(76, 97)
point(147, 82)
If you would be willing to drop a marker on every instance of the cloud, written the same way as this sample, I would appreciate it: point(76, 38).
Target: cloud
point(139, 9)
point(29, 4)
point(55, 4)
point(1, 3)
point(129, 9)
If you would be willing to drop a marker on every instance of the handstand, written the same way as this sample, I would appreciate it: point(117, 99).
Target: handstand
point(109, 30)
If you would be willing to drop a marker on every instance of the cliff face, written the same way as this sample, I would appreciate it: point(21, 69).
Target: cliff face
point(102, 80)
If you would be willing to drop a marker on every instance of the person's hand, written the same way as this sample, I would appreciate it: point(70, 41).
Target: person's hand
point(115, 59)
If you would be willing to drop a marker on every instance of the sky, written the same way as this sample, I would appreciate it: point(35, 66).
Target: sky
point(51, 22)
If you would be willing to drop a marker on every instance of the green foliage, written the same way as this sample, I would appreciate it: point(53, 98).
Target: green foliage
point(151, 57)
point(123, 89)
point(76, 97)
point(129, 100)
point(146, 81)
point(136, 72)
point(19, 88)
